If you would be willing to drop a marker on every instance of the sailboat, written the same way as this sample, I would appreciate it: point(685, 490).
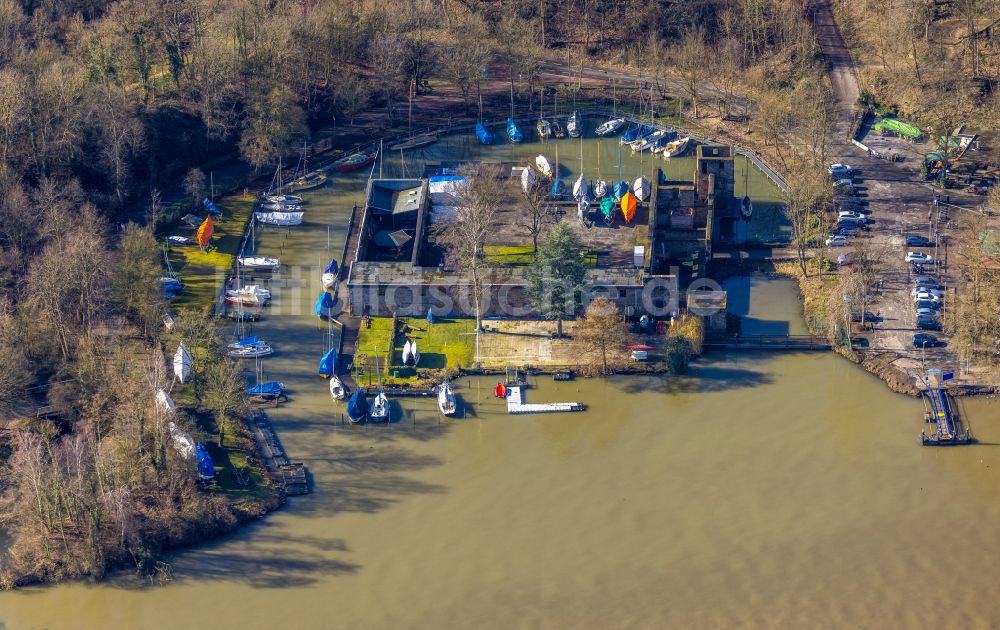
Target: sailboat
point(642, 188)
point(558, 187)
point(628, 206)
point(259, 263)
point(206, 468)
point(357, 406)
point(676, 147)
point(324, 305)
point(483, 134)
point(250, 295)
point(574, 126)
point(647, 142)
point(182, 363)
point(580, 188)
point(610, 127)
point(283, 219)
point(600, 186)
point(379, 411)
point(244, 347)
point(307, 181)
point(528, 179)
point(629, 136)
point(544, 167)
point(616, 122)
point(416, 142)
point(414, 353)
point(330, 273)
point(269, 392)
point(328, 364)
point(557, 128)
point(163, 402)
point(543, 127)
point(620, 186)
point(446, 399)
point(337, 388)
point(514, 134)
point(608, 210)
point(356, 161)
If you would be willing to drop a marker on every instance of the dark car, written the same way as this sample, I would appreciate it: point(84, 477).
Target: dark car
point(869, 316)
point(928, 323)
point(928, 282)
point(927, 304)
point(923, 340)
point(918, 241)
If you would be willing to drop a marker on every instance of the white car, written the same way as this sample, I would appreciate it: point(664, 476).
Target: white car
point(836, 241)
point(926, 295)
point(849, 214)
point(918, 290)
point(918, 257)
point(840, 170)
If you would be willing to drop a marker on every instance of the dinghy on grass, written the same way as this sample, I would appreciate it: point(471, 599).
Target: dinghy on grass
point(182, 363)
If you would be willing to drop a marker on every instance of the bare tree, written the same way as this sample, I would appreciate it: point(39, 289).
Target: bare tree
point(481, 197)
point(601, 332)
point(194, 184)
point(536, 215)
point(690, 59)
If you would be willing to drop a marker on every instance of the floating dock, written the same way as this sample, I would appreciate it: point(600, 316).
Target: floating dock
point(516, 404)
point(948, 427)
point(291, 475)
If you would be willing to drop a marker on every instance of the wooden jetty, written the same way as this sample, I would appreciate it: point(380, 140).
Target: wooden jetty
point(291, 475)
point(517, 406)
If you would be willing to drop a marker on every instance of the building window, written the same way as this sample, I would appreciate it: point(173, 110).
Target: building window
point(704, 167)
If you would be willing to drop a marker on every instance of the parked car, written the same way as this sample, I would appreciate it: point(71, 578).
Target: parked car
point(923, 340)
point(843, 259)
point(928, 282)
point(849, 214)
point(918, 241)
point(931, 295)
point(847, 230)
point(840, 170)
point(836, 241)
point(919, 257)
point(858, 221)
point(926, 311)
point(844, 186)
point(869, 316)
point(928, 323)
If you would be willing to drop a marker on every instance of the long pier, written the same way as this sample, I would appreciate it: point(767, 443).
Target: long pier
point(291, 475)
point(517, 406)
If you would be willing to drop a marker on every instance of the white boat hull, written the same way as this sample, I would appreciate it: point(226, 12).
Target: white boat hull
point(329, 280)
point(543, 165)
point(337, 389)
point(446, 400)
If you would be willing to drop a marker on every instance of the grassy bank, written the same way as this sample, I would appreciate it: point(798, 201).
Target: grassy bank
point(203, 271)
point(447, 344)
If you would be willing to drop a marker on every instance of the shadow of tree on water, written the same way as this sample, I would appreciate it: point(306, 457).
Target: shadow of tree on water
point(699, 379)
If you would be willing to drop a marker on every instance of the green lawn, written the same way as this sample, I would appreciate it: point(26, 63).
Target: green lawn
point(520, 256)
point(203, 271)
point(445, 344)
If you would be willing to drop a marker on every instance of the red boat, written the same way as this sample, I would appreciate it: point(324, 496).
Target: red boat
point(356, 161)
point(501, 390)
